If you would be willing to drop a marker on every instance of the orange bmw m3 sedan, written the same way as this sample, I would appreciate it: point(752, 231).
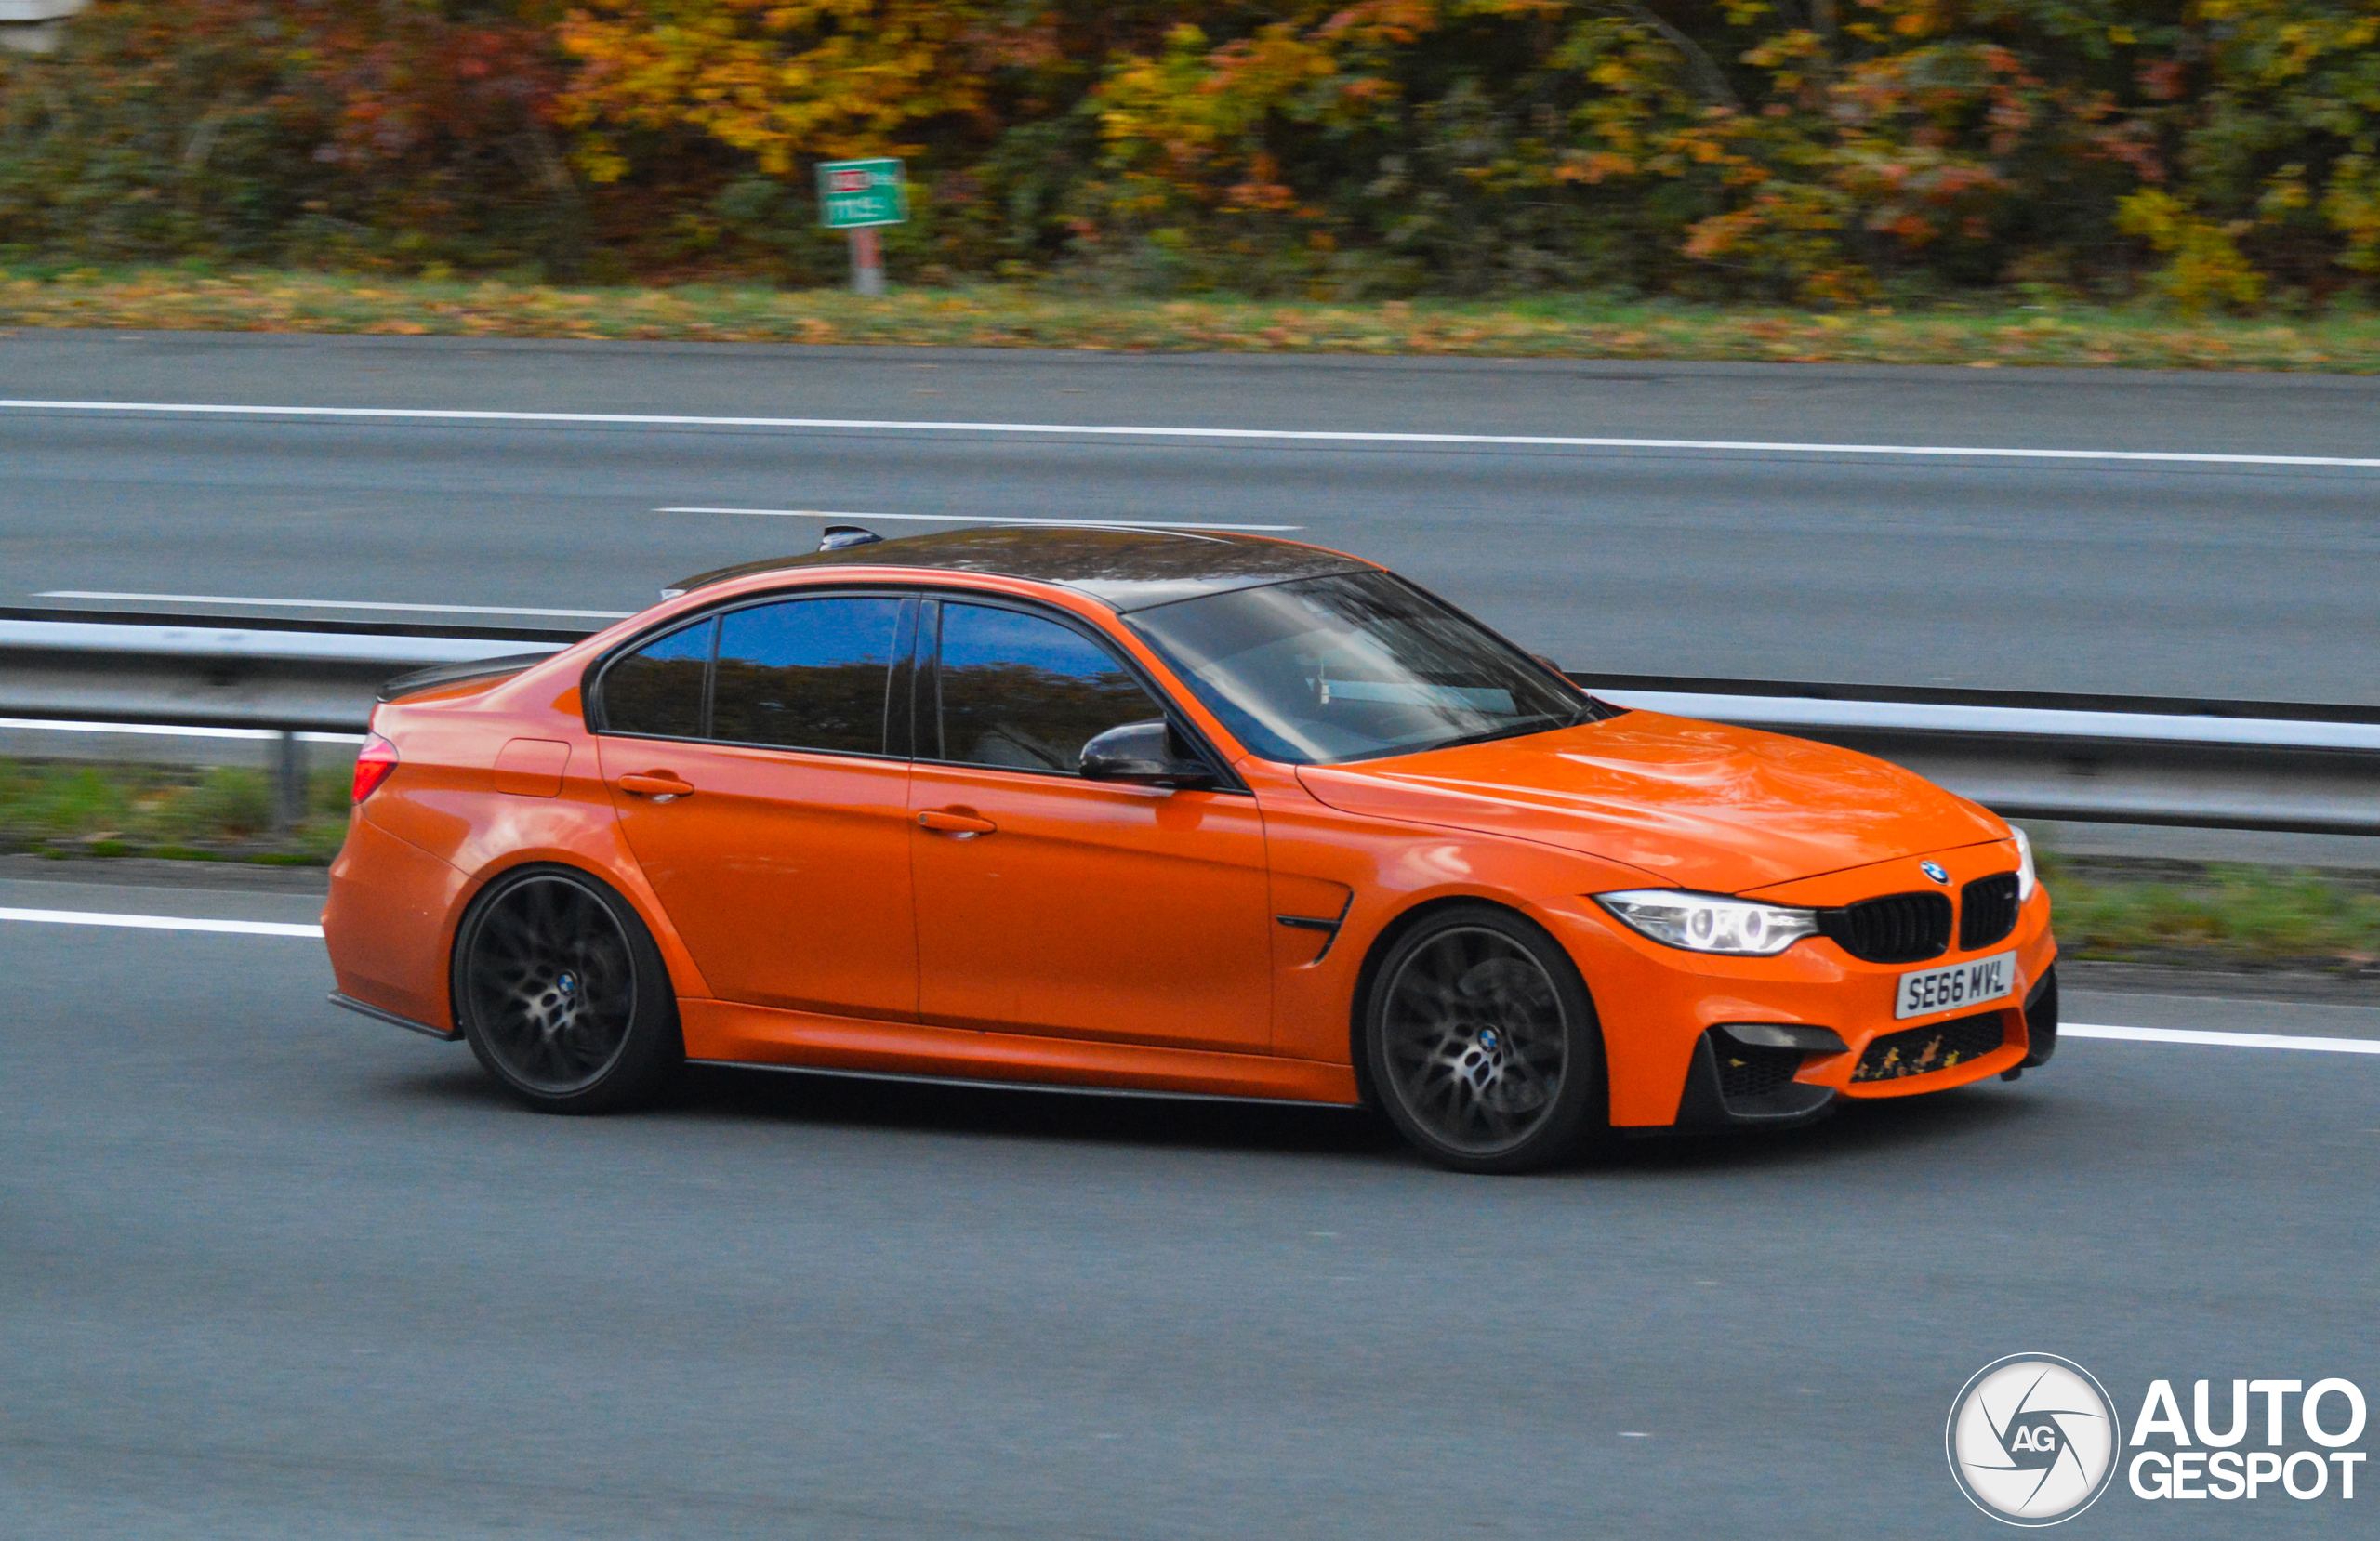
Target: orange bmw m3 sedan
point(1171, 812)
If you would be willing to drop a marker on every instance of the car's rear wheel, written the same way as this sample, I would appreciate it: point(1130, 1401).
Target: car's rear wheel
point(562, 995)
point(1482, 1044)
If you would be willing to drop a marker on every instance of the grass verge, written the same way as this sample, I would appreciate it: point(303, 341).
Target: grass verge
point(222, 814)
point(1989, 335)
point(2216, 915)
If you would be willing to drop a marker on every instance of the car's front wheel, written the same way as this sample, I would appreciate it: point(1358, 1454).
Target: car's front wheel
point(1482, 1044)
point(562, 995)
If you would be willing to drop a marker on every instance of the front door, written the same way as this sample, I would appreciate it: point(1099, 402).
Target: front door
point(746, 755)
point(1052, 905)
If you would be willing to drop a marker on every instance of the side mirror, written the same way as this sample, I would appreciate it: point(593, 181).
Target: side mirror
point(1144, 754)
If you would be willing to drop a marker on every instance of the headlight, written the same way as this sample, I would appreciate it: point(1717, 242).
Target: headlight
point(1710, 922)
point(2027, 879)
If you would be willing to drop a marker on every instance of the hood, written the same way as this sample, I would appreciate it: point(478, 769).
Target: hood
point(1698, 804)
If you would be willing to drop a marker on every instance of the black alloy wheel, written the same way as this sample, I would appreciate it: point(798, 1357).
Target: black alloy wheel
point(562, 995)
point(1482, 1044)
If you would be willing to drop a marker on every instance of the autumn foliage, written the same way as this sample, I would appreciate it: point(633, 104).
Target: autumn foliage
point(2225, 153)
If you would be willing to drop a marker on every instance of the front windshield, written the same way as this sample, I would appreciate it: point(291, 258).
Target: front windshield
point(1354, 666)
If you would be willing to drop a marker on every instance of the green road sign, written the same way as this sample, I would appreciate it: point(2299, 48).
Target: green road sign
point(853, 194)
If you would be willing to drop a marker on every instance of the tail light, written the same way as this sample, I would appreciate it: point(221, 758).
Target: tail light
point(373, 764)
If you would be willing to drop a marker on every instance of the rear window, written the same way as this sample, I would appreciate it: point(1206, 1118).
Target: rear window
point(796, 673)
point(658, 688)
point(807, 674)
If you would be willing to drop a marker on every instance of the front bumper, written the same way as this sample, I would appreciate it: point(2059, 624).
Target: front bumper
point(1661, 1008)
point(1731, 1083)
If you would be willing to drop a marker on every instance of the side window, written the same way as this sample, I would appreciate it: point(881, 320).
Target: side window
point(1025, 693)
point(806, 674)
point(658, 688)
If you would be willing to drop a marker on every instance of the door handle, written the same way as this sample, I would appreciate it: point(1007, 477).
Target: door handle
point(957, 825)
point(660, 785)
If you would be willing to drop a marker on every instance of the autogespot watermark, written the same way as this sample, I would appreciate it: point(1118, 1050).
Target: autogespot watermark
point(2034, 1439)
point(2184, 1470)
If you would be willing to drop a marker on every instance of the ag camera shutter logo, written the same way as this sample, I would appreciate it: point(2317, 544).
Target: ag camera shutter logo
point(2032, 1439)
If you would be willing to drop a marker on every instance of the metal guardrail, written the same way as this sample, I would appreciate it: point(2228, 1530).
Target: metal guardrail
point(208, 671)
point(36, 25)
point(2113, 759)
point(2132, 760)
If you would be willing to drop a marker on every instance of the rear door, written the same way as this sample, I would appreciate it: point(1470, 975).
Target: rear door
point(749, 757)
point(1053, 906)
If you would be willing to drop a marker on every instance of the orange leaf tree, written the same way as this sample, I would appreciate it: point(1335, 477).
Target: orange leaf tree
point(781, 81)
point(2227, 151)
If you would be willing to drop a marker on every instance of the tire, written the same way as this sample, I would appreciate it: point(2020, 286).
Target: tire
point(562, 996)
point(1481, 1042)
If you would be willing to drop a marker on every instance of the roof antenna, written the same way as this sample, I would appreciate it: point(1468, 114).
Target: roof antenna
point(837, 538)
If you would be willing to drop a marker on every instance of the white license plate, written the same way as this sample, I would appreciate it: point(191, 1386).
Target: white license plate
point(1931, 989)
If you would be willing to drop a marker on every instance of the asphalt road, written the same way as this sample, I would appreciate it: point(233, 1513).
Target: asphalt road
point(270, 1270)
point(2251, 581)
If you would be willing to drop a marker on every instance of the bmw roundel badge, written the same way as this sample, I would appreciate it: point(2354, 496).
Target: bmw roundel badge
point(1933, 870)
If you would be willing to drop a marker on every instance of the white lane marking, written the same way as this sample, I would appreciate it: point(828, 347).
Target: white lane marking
point(1540, 440)
point(324, 604)
point(986, 519)
point(2218, 1040)
point(42, 724)
point(161, 922)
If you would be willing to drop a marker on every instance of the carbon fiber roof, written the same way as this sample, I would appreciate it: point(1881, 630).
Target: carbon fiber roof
point(1128, 569)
